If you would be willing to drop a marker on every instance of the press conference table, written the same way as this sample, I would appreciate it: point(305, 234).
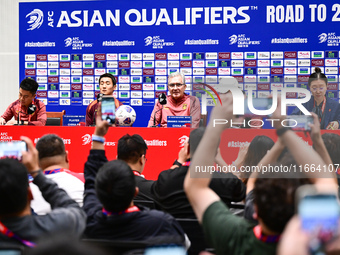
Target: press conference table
point(163, 143)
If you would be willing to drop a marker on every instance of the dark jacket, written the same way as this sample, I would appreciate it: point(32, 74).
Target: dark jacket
point(331, 112)
point(169, 191)
point(134, 226)
point(66, 216)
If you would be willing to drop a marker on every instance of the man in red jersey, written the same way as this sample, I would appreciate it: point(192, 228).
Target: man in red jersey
point(27, 110)
point(178, 103)
point(107, 84)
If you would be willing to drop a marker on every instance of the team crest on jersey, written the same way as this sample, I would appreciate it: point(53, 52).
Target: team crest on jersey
point(185, 106)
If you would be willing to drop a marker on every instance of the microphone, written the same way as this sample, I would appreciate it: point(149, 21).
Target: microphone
point(99, 97)
point(31, 109)
point(162, 100)
point(19, 117)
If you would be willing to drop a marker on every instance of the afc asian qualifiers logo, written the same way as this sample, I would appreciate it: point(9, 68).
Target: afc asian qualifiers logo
point(68, 41)
point(148, 40)
point(157, 42)
point(36, 19)
point(86, 139)
point(332, 39)
point(232, 39)
point(182, 140)
point(322, 37)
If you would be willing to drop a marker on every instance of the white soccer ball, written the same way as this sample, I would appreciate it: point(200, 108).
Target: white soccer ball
point(125, 116)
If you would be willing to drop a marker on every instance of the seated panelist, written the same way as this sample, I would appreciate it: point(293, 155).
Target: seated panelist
point(107, 84)
point(177, 103)
point(27, 110)
point(327, 109)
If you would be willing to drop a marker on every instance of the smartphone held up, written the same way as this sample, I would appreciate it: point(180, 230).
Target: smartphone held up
point(108, 109)
point(12, 149)
point(319, 213)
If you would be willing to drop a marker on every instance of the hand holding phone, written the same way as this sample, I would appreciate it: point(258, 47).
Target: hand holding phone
point(108, 109)
point(30, 158)
point(260, 104)
point(300, 122)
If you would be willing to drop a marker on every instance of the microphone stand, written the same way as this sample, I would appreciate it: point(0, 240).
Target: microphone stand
point(18, 121)
point(154, 117)
point(94, 120)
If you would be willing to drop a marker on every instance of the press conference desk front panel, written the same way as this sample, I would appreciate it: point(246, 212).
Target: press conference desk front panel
point(163, 143)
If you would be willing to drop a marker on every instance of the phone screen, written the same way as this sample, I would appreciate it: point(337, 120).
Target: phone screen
point(320, 215)
point(171, 250)
point(108, 109)
point(300, 122)
point(10, 252)
point(260, 104)
point(12, 149)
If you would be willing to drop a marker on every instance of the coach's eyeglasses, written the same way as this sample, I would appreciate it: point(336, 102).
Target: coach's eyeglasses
point(314, 89)
point(179, 85)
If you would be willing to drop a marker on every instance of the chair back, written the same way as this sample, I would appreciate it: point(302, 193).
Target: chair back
point(55, 118)
point(121, 247)
point(195, 234)
point(118, 247)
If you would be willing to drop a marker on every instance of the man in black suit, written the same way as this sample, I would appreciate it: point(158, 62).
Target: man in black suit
point(132, 150)
point(168, 189)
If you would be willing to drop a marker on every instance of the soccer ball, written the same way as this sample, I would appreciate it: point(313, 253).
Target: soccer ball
point(125, 116)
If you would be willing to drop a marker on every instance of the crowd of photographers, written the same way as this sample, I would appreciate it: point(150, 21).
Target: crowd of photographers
point(258, 212)
point(53, 200)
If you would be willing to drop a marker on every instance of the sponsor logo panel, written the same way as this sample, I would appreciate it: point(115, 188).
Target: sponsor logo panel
point(290, 54)
point(185, 56)
point(42, 65)
point(262, 70)
point(148, 86)
point(65, 101)
point(64, 94)
point(88, 86)
point(160, 79)
point(318, 62)
point(148, 56)
point(124, 87)
point(304, 54)
point(276, 54)
point(148, 71)
point(160, 56)
point(41, 57)
point(111, 56)
point(65, 79)
point(136, 102)
point(263, 55)
point(224, 55)
point(64, 86)
point(136, 94)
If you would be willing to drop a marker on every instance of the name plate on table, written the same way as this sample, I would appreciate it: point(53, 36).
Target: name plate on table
point(179, 121)
point(74, 120)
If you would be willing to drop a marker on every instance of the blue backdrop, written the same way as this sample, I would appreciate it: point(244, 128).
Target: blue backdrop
point(66, 46)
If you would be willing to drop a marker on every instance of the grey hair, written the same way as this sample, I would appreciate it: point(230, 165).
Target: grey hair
point(177, 74)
